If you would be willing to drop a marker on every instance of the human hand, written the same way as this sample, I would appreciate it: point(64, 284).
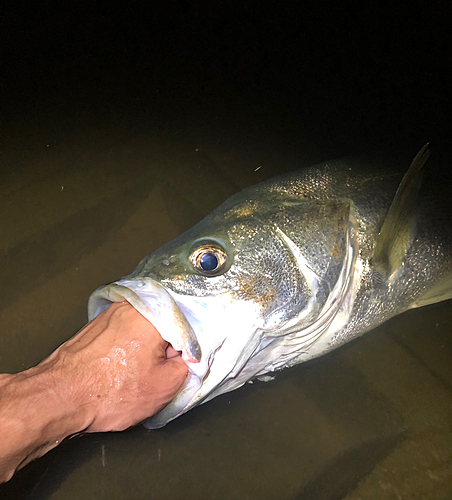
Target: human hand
point(119, 368)
point(111, 375)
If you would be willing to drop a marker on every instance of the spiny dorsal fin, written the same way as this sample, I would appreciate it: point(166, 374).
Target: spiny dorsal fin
point(396, 233)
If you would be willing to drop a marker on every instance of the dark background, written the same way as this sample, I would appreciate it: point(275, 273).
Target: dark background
point(185, 100)
point(367, 76)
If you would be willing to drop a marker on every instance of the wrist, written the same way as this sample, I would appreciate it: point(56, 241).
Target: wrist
point(36, 413)
point(47, 393)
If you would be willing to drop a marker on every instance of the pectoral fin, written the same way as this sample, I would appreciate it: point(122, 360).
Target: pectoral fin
point(441, 291)
point(396, 234)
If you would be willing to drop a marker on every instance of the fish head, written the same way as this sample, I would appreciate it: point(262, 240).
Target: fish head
point(234, 292)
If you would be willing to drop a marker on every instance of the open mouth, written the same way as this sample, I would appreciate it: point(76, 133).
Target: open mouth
point(225, 330)
point(152, 300)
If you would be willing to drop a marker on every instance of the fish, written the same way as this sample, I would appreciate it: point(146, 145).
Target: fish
point(290, 269)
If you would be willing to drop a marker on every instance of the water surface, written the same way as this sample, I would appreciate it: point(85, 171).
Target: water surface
point(370, 420)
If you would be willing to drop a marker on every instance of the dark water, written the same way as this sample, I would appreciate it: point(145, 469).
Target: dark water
point(111, 148)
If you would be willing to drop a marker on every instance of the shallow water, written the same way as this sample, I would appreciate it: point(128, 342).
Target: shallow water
point(113, 145)
point(370, 420)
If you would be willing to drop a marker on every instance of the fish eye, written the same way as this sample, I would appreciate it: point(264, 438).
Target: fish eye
point(208, 262)
point(209, 259)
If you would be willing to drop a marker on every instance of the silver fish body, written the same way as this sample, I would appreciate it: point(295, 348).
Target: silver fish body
point(287, 270)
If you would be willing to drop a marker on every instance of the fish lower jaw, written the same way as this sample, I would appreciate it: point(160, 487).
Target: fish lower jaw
point(180, 404)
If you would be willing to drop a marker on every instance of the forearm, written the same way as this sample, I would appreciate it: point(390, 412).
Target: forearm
point(36, 413)
point(112, 374)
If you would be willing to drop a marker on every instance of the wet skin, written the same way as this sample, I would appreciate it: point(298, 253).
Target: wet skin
point(111, 375)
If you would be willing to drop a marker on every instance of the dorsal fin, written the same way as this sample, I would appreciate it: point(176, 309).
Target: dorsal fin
point(397, 231)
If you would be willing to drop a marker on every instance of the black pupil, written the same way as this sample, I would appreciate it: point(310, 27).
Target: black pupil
point(208, 262)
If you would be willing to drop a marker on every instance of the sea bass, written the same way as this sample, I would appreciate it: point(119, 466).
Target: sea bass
point(290, 269)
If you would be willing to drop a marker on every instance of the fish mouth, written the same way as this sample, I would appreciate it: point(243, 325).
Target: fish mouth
point(152, 300)
point(225, 349)
point(156, 304)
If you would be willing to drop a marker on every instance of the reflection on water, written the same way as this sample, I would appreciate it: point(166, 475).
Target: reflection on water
point(371, 420)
